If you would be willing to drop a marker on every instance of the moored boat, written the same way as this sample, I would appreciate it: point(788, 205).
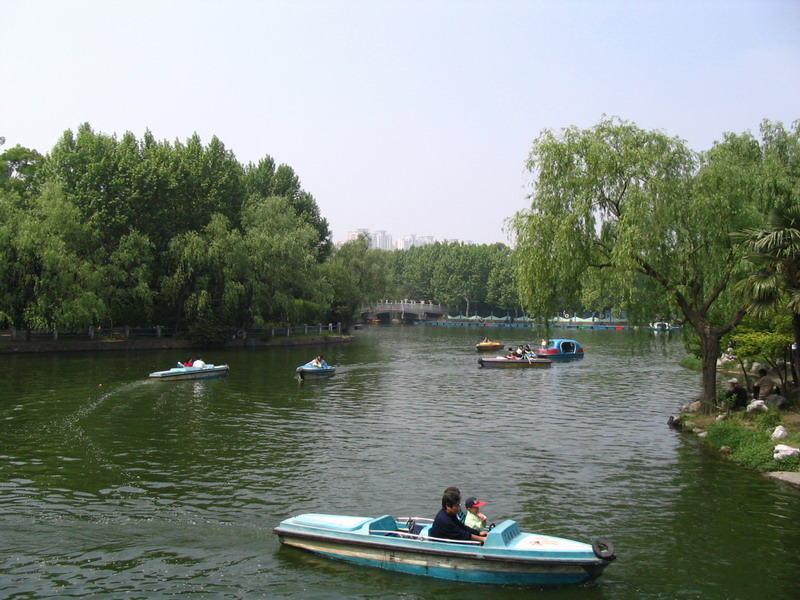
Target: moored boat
point(508, 556)
point(524, 362)
point(187, 373)
point(557, 349)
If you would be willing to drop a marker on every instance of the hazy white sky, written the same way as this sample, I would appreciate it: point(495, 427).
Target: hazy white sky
point(408, 116)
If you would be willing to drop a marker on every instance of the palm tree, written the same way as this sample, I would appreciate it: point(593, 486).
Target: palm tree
point(775, 249)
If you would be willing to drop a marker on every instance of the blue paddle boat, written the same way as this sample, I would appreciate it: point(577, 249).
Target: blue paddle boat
point(559, 349)
point(311, 371)
point(508, 556)
point(186, 373)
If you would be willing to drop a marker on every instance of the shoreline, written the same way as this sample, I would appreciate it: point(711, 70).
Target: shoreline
point(8, 346)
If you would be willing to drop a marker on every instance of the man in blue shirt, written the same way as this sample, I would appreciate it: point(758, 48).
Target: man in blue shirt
point(446, 524)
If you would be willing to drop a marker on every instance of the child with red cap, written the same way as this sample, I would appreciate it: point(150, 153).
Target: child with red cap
point(475, 518)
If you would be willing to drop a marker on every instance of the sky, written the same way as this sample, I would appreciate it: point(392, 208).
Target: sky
point(406, 116)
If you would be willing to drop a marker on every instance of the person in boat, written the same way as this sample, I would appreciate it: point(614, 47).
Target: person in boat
point(475, 518)
point(446, 524)
point(199, 363)
point(461, 514)
point(511, 354)
point(188, 362)
point(738, 393)
point(520, 351)
point(486, 340)
point(319, 362)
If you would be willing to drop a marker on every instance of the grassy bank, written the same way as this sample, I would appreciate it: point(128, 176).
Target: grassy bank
point(745, 438)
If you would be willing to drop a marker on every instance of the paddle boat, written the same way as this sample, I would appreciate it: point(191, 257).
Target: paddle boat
point(558, 349)
point(488, 346)
point(186, 373)
point(311, 371)
point(508, 556)
point(524, 362)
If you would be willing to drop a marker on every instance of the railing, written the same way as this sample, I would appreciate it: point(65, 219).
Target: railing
point(158, 331)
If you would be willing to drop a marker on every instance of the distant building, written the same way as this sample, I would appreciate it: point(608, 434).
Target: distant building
point(382, 240)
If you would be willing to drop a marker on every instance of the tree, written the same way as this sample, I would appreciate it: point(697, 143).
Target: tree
point(647, 212)
point(18, 168)
point(58, 282)
point(774, 248)
point(358, 276)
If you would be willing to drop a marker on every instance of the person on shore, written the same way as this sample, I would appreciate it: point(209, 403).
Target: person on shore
point(475, 518)
point(738, 393)
point(764, 386)
point(446, 524)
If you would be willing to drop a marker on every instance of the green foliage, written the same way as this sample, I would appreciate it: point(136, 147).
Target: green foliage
point(127, 231)
point(632, 215)
point(691, 362)
point(763, 346)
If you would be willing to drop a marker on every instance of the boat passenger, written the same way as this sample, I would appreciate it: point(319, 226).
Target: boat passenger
point(188, 362)
point(461, 514)
point(198, 362)
point(446, 524)
point(319, 362)
point(511, 354)
point(520, 351)
point(475, 518)
point(486, 340)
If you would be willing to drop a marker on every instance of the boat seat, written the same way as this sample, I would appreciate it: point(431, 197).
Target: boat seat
point(384, 523)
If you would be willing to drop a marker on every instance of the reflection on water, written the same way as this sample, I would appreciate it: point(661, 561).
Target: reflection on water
point(168, 488)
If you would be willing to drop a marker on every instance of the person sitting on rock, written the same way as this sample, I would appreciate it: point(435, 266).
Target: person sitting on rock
point(737, 393)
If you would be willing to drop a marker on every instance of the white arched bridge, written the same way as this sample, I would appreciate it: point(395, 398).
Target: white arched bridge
point(403, 310)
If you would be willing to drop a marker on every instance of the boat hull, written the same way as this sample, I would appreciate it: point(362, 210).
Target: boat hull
point(189, 373)
point(488, 346)
point(514, 363)
point(561, 349)
point(305, 372)
point(556, 561)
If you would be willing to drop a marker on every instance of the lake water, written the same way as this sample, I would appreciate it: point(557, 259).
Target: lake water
point(115, 486)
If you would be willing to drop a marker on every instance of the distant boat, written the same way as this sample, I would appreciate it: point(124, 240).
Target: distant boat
point(558, 349)
point(508, 556)
point(187, 373)
point(488, 346)
point(309, 371)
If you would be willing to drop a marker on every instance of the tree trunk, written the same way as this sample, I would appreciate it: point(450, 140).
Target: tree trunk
point(795, 353)
point(710, 339)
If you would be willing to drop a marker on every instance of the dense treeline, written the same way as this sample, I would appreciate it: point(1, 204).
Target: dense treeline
point(105, 231)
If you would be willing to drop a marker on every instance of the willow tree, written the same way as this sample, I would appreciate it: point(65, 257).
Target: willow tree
point(651, 219)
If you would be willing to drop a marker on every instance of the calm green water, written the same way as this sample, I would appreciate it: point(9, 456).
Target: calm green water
point(147, 489)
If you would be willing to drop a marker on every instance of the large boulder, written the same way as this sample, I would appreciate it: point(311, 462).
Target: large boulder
point(784, 451)
point(779, 433)
point(757, 405)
